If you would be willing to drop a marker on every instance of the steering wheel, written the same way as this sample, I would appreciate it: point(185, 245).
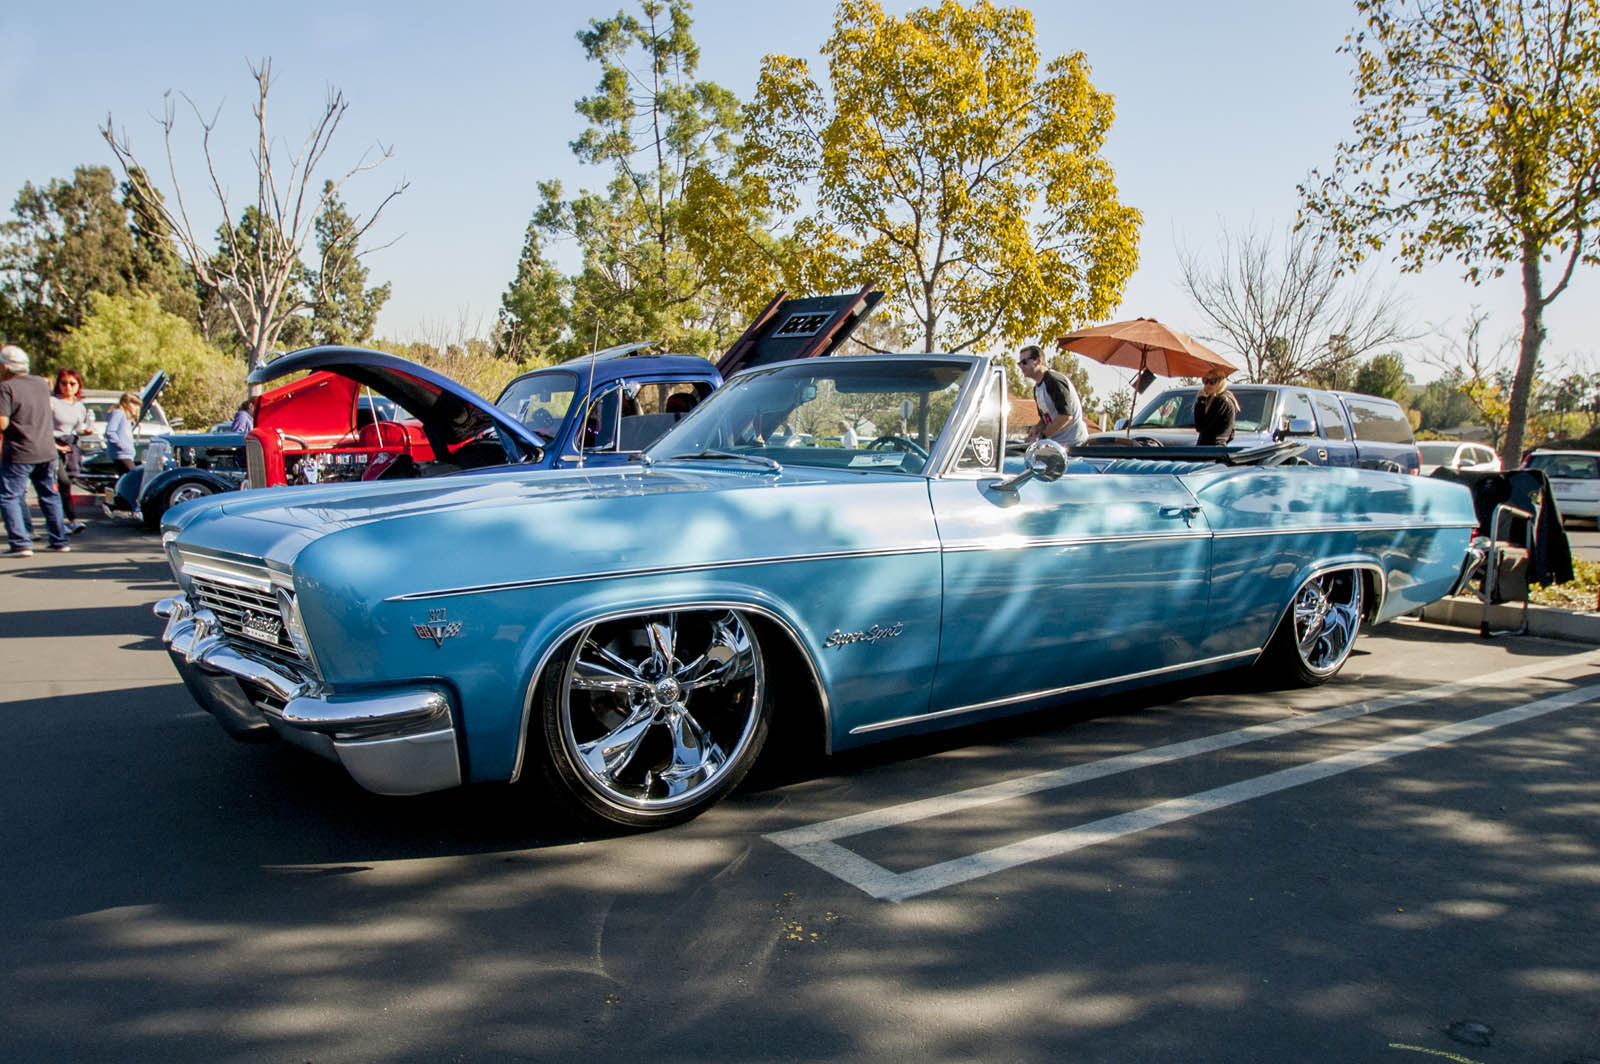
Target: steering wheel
point(896, 443)
point(543, 422)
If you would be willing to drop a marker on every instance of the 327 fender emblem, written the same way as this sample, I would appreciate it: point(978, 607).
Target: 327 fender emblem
point(439, 628)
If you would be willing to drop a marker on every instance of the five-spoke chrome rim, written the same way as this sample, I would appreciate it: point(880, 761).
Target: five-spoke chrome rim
point(1327, 615)
point(655, 708)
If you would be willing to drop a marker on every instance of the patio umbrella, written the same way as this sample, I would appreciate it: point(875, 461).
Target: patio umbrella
point(1145, 346)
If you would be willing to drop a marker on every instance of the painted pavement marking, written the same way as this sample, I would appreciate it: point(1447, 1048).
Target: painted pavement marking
point(816, 842)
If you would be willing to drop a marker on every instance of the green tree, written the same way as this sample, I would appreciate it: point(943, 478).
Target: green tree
point(68, 241)
point(123, 340)
point(535, 310)
point(1442, 403)
point(949, 164)
point(1475, 140)
point(344, 309)
point(1384, 375)
point(672, 249)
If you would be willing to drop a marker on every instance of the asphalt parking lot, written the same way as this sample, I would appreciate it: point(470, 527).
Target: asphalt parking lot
point(1400, 865)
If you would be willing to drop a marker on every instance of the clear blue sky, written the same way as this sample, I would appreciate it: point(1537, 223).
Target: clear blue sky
point(1222, 108)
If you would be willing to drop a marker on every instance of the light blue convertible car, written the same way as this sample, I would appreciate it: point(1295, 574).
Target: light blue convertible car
point(840, 539)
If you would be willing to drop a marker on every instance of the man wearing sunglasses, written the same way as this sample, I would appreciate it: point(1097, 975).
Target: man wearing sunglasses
point(1060, 411)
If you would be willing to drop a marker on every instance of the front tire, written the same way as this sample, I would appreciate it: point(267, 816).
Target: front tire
point(182, 491)
point(1317, 632)
point(648, 720)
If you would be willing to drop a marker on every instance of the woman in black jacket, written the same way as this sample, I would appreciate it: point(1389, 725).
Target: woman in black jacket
point(1214, 410)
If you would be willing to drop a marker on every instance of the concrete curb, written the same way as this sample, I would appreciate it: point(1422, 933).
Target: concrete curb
point(1547, 622)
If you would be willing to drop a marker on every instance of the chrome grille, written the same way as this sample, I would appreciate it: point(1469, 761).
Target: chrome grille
point(255, 461)
point(247, 614)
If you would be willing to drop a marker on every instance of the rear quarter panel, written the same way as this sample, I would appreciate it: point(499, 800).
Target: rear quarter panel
point(1274, 527)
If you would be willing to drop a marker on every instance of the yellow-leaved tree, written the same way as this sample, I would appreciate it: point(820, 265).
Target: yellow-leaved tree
point(948, 163)
point(1477, 138)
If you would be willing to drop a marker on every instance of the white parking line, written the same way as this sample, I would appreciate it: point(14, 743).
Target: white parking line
point(815, 842)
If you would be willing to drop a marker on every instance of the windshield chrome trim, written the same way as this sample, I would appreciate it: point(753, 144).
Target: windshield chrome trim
point(960, 423)
point(901, 722)
point(660, 570)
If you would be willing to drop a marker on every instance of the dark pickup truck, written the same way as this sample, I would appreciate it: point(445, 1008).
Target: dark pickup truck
point(1338, 428)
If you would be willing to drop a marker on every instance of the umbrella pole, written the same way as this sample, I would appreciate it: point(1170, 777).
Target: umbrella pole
point(1133, 400)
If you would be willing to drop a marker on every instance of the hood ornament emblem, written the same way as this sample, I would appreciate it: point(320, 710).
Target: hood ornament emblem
point(439, 628)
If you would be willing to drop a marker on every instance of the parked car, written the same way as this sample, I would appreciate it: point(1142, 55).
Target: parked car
point(1457, 455)
point(630, 633)
point(1338, 428)
point(1574, 480)
point(179, 467)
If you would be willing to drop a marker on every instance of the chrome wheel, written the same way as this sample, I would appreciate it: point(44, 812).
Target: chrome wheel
point(186, 492)
point(1327, 616)
point(656, 716)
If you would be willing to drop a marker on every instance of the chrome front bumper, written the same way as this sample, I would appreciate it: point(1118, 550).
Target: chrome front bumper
point(391, 742)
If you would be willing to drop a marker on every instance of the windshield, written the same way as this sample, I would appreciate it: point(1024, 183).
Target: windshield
point(1566, 464)
point(878, 414)
point(540, 400)
point(1175, 410)
point(153, 415)
point(1437, 453)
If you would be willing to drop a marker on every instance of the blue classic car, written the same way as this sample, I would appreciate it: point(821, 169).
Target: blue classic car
point(629, 633)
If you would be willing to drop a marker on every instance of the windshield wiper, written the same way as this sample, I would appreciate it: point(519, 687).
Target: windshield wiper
point(759, 459)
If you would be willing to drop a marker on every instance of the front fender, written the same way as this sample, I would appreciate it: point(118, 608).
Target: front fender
point(569, 623)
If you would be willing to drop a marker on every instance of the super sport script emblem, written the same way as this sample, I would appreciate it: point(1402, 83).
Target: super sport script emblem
point(439, 628)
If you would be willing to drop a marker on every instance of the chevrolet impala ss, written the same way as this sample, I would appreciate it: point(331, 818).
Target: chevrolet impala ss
point(841, 540)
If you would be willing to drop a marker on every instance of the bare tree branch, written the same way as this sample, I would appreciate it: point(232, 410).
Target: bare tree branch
point(1286, 310)
point(259, 286)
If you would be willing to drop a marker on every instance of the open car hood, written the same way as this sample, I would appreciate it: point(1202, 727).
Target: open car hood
point(152, 389)
point(450, 413)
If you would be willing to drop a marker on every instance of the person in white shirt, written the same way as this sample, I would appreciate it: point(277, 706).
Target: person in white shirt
point(1060, 410)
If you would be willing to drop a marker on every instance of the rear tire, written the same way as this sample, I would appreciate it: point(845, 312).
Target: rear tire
point(648, 720)
point(1318, 630)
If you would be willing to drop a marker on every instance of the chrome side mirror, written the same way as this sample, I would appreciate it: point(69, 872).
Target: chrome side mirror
point(1300, 427)
point(1045, 460)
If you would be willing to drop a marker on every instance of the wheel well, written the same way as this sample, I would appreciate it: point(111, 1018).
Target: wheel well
point(1371, 594)
point(797, 728)
point(798, 724)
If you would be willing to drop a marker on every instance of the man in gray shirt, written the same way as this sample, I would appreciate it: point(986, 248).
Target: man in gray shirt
point(27, 452)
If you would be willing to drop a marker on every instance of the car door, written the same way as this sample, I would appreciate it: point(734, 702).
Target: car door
point(1336, 440)
point(1068, 584)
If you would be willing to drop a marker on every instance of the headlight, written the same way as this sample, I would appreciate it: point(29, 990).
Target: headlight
point(289, 611)
point(169, 543)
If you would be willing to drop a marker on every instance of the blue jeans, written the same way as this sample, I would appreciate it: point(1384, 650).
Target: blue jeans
point(14, 477)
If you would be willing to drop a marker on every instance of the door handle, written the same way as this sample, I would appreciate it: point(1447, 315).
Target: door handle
point(1188, 513)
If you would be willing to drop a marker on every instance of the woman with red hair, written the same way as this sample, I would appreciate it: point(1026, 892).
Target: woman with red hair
point(71, 421)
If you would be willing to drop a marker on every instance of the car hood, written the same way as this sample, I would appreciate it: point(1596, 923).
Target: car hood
point(451, 414)
point(151, 392)
point(275, 524)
